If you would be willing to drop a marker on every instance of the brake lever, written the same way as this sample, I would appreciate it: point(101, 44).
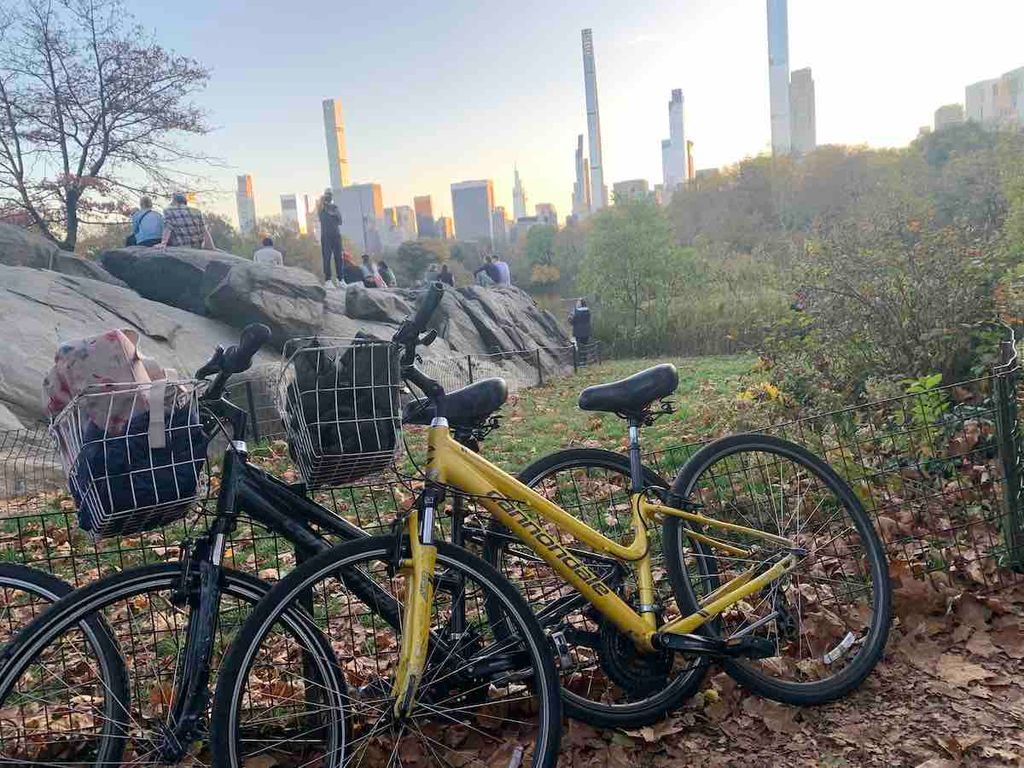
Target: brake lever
point(213, 365)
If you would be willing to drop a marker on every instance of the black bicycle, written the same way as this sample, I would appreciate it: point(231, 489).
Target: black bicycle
point(169, 623)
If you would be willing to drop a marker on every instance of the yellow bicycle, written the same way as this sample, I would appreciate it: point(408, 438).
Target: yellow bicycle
point(758, 556)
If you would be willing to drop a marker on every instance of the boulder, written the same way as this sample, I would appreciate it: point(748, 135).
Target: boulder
point(384, 305)
point(179, 277)
point(21, 248)
point(42, 308)
point(290, 301)
point(227, 287)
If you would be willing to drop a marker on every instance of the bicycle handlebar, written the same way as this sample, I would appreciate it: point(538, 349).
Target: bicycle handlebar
point(410, 331)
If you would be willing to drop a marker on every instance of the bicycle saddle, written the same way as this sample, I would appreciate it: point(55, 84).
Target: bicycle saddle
point(632, 395)
point(467, 408)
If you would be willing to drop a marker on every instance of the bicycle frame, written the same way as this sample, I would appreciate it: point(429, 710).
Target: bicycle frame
point(505, 498)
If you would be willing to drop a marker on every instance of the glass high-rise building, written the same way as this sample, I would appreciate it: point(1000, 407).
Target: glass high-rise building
point(426, 225)
point(246, 205)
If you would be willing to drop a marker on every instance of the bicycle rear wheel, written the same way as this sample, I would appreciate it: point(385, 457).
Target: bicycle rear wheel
point(606, 682)
point(78, 717)
point(482, 700)
point(828, 619)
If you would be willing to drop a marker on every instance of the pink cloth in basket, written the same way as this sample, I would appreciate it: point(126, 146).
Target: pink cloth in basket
point(98, 364)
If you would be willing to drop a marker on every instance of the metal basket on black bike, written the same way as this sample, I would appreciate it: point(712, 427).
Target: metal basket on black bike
point(134, 455)
point(339, 400)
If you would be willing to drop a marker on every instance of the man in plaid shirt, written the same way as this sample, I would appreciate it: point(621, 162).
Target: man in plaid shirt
point(184, 226)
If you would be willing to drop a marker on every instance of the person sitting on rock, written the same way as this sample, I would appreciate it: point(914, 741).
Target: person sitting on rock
point(371, 278)
point(268, 254)
point(446, 276)
point(147, 224)
point(488, 274)
point(184, 226)
point(350, 271)
point(387, 275)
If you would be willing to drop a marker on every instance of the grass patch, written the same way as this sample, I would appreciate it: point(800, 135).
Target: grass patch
point(537, 421)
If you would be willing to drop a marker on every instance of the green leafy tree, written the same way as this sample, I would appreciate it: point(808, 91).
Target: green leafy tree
point(630, 271)
point(540, 256)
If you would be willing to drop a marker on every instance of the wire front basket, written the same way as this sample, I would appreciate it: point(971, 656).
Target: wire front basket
point(134, 455)
point(339, 400)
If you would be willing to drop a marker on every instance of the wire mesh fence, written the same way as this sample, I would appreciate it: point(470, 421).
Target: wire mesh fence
point(939, 471)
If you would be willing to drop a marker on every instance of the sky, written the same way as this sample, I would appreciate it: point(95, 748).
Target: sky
point(449, 90)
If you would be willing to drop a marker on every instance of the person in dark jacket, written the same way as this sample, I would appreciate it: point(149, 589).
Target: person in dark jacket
point(491, 272)
point(330, 236)
point(446, 276)
point(579, 319)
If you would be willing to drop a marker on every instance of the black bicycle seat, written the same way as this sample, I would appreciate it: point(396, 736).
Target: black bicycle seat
point(468, 408)
point(632, 395)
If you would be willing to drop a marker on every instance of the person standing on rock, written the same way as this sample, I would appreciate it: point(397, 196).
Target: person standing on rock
point(268, 254)
point(184, 226)
point(330, 237)
point(147, 225)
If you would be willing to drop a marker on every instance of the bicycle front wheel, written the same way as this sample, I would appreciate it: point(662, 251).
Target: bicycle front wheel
point(828, 618)
point(486, 697)
point(65, 706)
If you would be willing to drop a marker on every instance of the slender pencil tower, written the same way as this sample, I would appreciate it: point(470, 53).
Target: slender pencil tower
point(598, 191)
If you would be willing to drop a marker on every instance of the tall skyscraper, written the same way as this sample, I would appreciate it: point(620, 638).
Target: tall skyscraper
point(803, 131)
point(499, 228)
point(518, 197)
point(673, 151)
point(445, 228)
point(246, 205)
point(362, 215)
point(337, 155)
point(778, 75)
point(426, 226)
point(598, 191)
point(290, 212)
point(581, 189)
point(473, 207)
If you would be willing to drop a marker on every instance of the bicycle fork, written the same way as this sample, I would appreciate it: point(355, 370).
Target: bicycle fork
point(418, 571)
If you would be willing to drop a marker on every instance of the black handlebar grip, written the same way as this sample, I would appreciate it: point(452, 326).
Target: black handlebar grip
point(239, 357)
point(428, 306)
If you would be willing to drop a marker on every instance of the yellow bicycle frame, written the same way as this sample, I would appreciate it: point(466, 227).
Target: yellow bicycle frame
point(512, 503)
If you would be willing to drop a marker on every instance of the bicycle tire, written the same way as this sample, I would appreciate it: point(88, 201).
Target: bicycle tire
point(580, 699)
point(231, 693)
point(747, 673)
point(85, 605)
point(41, 584)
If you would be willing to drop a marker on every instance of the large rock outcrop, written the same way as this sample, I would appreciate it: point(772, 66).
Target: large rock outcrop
point(184, 302)
point(41, 308)
point(20, 248)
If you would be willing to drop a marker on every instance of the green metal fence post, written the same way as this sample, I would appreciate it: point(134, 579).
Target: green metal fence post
point(1007, 376)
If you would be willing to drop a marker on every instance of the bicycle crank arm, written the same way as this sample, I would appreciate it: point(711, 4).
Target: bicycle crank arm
point(745, 647)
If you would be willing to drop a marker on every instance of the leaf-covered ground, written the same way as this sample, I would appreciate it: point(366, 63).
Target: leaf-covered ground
point(949, 693)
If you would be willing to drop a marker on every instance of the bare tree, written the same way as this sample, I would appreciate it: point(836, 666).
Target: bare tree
point(91, 112)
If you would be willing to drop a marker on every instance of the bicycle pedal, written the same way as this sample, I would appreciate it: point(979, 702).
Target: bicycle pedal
point(562, 654)
point(747, 647)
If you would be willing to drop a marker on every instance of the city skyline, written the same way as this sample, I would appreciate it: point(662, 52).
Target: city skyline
point(715, 51)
